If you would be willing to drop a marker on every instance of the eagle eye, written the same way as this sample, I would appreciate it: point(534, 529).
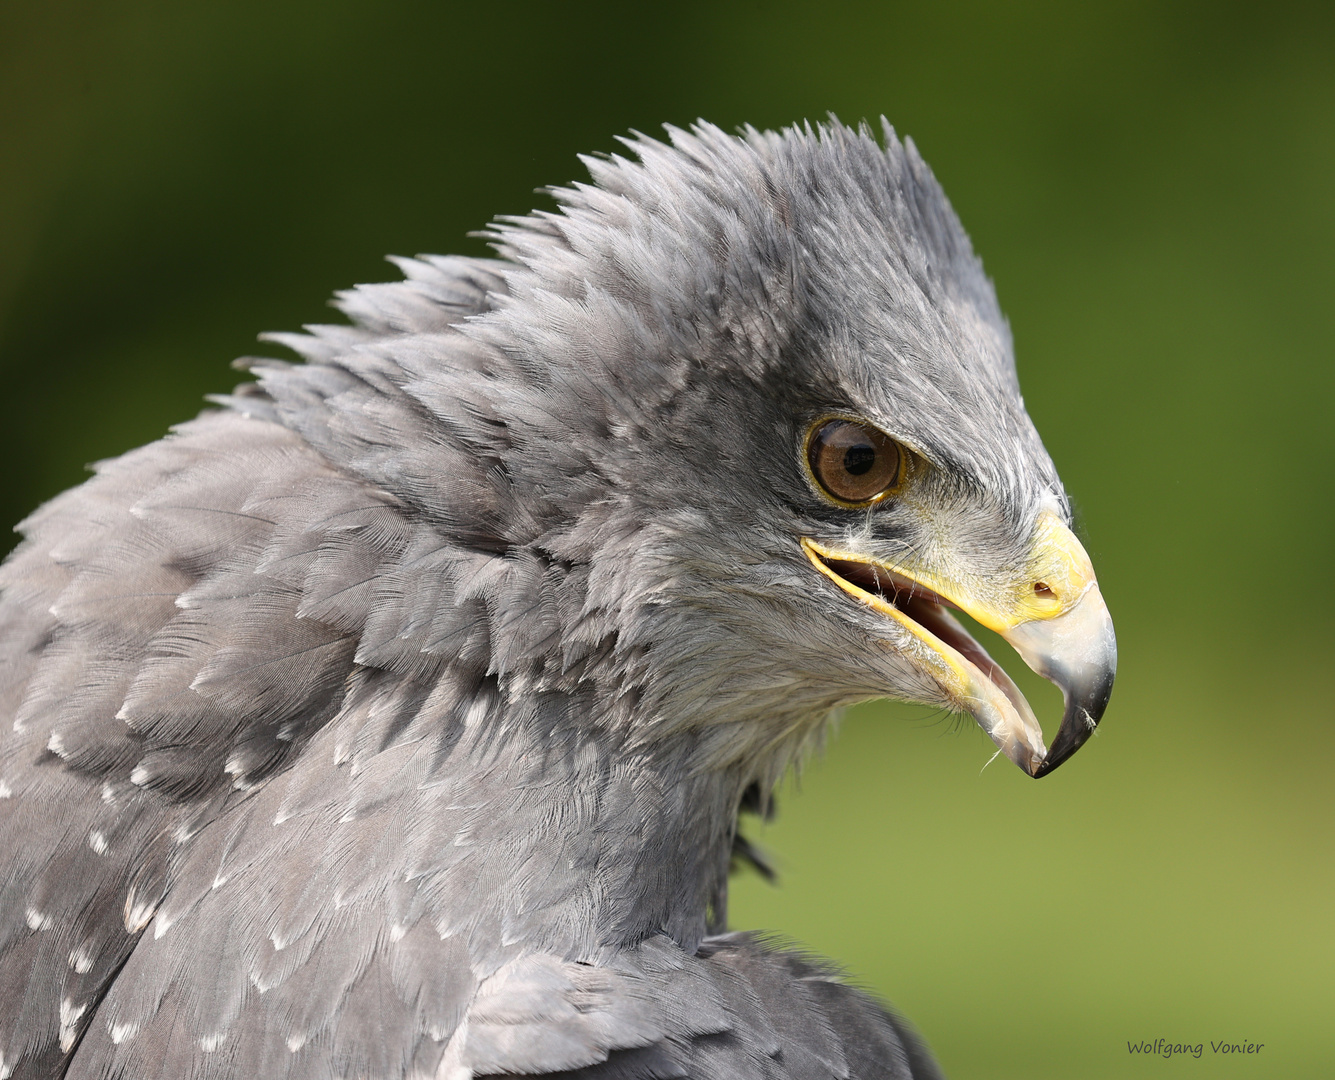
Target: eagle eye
point(853, 463)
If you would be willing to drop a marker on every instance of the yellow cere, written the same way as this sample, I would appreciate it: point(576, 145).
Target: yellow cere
point(1058, 575)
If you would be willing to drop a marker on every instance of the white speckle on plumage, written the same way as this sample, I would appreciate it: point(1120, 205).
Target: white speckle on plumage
point(122, 1031)
point(81, 960)
point(5, 790)
point(210, 1043)
point(36, 920)
point(296, 1042)
point(55, 744)
point(70, 1014)
point(138, 914)
point(97, 840)
point(6, 1069)
point(108, 792)
point(139, 776)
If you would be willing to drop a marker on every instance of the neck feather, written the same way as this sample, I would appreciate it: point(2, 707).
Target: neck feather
point(531, 826)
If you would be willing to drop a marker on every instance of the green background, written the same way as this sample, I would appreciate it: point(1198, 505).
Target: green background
point(1153, 188)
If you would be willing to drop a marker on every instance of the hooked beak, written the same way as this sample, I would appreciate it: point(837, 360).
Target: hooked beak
point(1055, 619)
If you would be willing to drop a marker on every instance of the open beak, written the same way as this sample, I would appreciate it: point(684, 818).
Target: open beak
point(1055, 619)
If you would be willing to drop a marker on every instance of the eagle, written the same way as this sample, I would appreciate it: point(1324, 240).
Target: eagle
point(392, 718)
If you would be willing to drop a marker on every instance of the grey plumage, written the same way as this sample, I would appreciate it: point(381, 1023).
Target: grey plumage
point(392, 719)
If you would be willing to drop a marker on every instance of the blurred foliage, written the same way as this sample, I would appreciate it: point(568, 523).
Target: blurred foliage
point(1150, 185)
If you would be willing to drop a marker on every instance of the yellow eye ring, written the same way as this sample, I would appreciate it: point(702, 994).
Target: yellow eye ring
point(853, 463)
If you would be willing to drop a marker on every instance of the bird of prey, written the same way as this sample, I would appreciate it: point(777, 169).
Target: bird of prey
point(392, 718)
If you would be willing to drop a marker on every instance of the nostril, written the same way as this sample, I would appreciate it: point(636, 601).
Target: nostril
point(1043, 589)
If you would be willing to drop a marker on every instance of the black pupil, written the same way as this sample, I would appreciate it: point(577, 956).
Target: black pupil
point(859, 459)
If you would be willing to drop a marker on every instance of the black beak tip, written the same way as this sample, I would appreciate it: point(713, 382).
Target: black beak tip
point(1082, 716)
point(1068, 741)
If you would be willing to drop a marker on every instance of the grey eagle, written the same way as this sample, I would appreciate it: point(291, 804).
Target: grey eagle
point(392, 718)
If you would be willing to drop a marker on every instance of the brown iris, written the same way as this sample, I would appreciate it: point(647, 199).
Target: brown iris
point(853, 462)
